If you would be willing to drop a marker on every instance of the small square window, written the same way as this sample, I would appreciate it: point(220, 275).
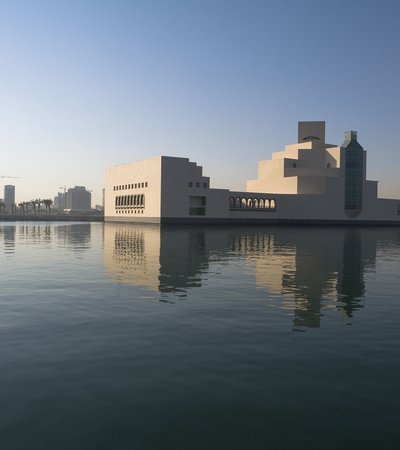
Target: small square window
point(197, 184)
point(190, 184)
point(205, 185)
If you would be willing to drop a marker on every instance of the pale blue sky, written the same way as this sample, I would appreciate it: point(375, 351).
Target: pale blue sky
point(86, 85)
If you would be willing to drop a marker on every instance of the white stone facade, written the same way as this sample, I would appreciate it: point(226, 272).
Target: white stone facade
point(308, 181)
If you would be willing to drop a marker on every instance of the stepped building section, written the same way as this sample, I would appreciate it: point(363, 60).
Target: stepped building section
point(310, 181)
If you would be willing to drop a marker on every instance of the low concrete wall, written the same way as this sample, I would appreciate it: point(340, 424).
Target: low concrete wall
point(252, 221)
point(132, 219)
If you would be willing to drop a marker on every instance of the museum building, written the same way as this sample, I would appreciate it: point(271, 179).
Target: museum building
point(310, 181)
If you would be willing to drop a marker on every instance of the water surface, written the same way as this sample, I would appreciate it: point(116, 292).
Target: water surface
point(135, 337)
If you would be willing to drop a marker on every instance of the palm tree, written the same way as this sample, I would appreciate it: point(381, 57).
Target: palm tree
point(39, 203)
point(22, 207)
point(47, 202)
point(33, 203)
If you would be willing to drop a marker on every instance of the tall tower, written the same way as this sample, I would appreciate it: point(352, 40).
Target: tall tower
point(9, 196)
point(355, 174)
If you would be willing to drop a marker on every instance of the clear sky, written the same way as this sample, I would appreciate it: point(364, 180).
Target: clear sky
point(85, 85)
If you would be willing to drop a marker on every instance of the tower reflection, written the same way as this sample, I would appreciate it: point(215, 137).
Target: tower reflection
point(8, 233)
point(309, 270)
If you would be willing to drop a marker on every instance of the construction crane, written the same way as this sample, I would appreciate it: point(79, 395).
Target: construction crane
point(5, 176)
point(64, 188)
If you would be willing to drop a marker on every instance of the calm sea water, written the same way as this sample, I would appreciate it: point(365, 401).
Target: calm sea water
point(131, 337)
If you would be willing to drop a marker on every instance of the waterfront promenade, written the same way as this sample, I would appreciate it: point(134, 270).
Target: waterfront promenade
point(52, 217)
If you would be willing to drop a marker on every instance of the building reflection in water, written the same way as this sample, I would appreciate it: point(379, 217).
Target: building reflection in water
point(34, 233)
point(308, 270)
point(318, 268)
point(72, 236)
point(132, 253)
point(162, 260)
point(8, 235)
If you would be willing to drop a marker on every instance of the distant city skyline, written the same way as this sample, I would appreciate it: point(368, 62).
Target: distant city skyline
point(90, 85)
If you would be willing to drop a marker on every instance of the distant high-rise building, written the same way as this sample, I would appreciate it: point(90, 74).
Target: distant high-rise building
point(79, 199)
point(60, 201)
point(9, 196)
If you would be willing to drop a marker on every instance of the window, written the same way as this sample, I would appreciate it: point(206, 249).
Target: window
point(190, 184)
point(398, 209)
point(145, 184)
point(354, 170)
point(142, 185)
point(197, 184)
point(135, 185)
point(328, 166)
point(294, 165)
point(205, 185)
point(197, 205)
